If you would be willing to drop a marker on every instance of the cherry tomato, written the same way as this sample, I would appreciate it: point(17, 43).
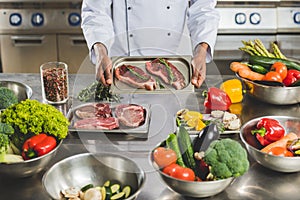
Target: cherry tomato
point(164, 156)
point(185, 173)
point(170, 169)
point(272, 76)
point(280, 68)
point(280, 151)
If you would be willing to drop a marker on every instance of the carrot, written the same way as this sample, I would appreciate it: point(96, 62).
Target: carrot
point(251, 75)
point(236, 66)
point(280, 143)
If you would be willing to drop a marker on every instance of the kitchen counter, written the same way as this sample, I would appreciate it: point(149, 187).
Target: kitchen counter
point(257, 183)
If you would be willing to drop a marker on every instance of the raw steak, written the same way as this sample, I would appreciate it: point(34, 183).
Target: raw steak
point(135, 77)
point(94, 110)
point(158, 67)
point(130, 115)
point(97, 123)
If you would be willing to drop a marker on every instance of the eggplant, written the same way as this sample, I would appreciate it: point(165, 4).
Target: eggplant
point(294, 147)
point(205, 137)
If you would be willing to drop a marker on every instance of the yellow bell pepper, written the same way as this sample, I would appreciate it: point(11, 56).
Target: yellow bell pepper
point(234, 89)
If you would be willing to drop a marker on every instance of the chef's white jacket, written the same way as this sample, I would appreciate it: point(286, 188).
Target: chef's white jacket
point(150, 27)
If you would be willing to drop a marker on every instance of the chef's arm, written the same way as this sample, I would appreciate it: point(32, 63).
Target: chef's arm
point(97, 25)
point(203, 22)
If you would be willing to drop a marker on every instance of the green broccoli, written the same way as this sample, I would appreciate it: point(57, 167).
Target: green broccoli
point(4, 145)
point(7, 97)
point(226, 158)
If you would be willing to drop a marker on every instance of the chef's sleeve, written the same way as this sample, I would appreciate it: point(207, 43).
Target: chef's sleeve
point(97, 24)
point(203, 21)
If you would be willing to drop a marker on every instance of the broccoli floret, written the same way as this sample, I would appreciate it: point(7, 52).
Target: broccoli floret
point(7, 97)
point(4, 145)
point(226, 158)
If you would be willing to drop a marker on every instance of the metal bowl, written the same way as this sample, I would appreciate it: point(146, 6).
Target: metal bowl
point(196, 189)
point(21, 90)
point(276, 163)
point(89, 168)
point(28, 167)
point(272, 94)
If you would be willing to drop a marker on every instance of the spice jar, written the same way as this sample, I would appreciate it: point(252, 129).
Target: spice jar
point(54, 78)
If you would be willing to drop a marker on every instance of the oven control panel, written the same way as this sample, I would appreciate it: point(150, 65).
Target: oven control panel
point(288, 19)
point(57, 20)
point(247, 20)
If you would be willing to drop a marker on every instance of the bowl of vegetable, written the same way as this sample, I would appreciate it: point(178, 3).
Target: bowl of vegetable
point(194, 166)
point(30, 135)
point(13, 92)
point(102, 175)
point(273, 141)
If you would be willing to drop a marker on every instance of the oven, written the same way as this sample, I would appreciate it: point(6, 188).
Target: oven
point(33, 33)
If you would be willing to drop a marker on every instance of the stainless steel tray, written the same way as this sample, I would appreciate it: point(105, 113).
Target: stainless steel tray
point(182, 64)
point(142, 129)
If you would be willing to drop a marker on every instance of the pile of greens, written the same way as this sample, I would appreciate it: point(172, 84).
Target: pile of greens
point(31, 117)
point(97, 92)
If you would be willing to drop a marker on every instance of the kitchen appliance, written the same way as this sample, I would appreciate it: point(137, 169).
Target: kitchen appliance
point(33, 33)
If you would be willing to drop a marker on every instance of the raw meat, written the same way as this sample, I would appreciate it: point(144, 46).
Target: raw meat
point(130, 115)
point(108, 123)
point(158, 67)
point(135, 77)
point(94, 110)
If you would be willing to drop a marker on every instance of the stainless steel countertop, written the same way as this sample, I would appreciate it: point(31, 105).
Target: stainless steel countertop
point(257, 183)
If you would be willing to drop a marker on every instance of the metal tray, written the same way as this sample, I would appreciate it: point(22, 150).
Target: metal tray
point(182, 64)
point(142, 129)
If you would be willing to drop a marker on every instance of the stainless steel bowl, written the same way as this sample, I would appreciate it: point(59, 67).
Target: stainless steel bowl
point(28, 167)
point(87, 168)
point(276, 163)
point(194, 189)
point(21, 90)
point(272, 94)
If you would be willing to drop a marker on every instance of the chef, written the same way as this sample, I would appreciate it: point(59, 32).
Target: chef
point(150, 28)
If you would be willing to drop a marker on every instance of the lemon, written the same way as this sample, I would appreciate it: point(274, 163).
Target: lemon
point(200, 125)
point(192, 115)
point(192, 122)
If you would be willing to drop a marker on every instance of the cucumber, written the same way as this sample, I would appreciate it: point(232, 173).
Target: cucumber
point(267, 62)
point(172, 143)
point(259, 69)
point(186, 147)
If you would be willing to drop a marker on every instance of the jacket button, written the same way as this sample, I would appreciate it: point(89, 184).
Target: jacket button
point(129, 8)
point(169, 34)
point(168, 7)
point(131, 35)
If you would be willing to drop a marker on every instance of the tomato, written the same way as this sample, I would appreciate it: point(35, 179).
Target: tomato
point(185, 173)
point(280, 151)
point(272, 76)
point(280, 68)
point(172, 168)
point(164, 156)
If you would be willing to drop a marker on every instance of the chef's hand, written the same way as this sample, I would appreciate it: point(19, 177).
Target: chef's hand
point(199, 65)
point(103, 65)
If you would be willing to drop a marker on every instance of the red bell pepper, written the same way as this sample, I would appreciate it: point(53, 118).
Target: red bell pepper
point(217, 99)
point(292, 76)
point(268, 131)
point(38, 145)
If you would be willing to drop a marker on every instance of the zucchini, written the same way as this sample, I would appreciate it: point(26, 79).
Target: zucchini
point(86, 187)
point(267, 62)
point(172, 143)
point(127, 191)
point(259, 69)
point(186, 147)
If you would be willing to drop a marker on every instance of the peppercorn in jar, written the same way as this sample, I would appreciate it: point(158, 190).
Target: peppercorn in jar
point(54, 78)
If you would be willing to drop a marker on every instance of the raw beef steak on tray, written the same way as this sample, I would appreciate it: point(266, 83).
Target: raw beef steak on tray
point(167, 72)
point(94, 110)
point(135, 77)
point(130, 115)
point(108, 123)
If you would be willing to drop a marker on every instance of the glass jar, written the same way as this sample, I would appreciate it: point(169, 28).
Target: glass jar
point(55, 85)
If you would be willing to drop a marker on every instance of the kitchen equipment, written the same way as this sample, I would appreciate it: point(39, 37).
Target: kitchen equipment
point(87, 168)
point(276, 163)
point(30, 167)
point(272, 94)
point(33, 33)
point(21, 90)
point(55, 84)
